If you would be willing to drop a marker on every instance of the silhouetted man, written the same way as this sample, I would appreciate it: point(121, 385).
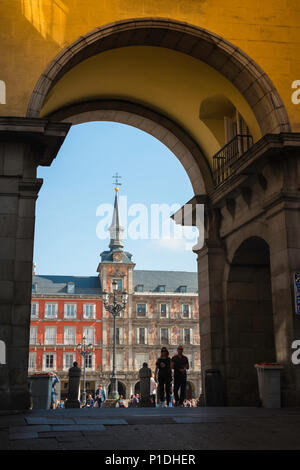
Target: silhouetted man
point(180, 364)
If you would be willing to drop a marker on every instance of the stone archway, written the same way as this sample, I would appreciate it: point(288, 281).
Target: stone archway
point(249, 328)
point(121, 389)
point(32, 141)
point(200, 43)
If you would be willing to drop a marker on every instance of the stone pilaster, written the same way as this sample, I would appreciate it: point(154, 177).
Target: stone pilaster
point(211, 261)
point(24, 144)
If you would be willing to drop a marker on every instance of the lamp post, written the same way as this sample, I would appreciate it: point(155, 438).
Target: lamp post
point(114, 308)
point(84, 350)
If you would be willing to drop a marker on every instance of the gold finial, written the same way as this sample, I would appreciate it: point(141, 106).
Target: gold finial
point(116, 189)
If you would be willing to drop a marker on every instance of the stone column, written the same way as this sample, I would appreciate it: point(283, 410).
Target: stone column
point(284, 231)
point(74, 387)
point(211, 261)
point(24, 144)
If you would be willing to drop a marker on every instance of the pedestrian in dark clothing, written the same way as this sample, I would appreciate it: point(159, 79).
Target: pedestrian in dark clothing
point(90, 402)
point(163, 374)
point(180, 364)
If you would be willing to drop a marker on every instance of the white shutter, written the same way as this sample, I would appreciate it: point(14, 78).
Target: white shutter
point(146, 335)
point(33, 334)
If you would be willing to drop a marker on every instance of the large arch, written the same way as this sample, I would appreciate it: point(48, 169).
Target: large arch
point(229, 60)
point(249, 324)
point(164, 129)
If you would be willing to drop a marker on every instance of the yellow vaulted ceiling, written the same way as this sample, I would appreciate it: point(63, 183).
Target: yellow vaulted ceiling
point(169, 82)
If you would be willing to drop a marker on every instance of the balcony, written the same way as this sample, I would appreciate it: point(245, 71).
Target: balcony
point(223, 161)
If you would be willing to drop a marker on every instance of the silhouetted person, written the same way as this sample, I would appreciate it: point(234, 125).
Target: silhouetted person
point(163, 374)
point(180, 364)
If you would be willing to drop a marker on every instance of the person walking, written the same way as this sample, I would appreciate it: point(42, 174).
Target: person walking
point(153, 388)
point(163, 374)
point(55, 380)
point(100, 396)
point(135, 400)
point(180, 364)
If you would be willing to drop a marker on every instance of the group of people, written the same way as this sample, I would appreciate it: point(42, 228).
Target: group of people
point(97, 402)
point(178, 364)
point(166, 370)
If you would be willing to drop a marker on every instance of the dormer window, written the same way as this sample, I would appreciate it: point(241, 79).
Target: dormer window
point(34, 288)
point(182, 289)
point(161, 288)
point(140, 288)
point(70, 288)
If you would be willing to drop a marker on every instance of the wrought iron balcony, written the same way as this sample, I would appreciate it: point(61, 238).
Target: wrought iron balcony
point(223, 160)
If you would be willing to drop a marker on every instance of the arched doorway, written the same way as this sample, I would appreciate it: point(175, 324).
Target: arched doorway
point(249, 320)
point(121, 389)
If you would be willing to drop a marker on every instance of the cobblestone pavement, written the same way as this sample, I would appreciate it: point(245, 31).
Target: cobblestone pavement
point(151, 429)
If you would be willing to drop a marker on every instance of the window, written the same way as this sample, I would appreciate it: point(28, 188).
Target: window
point(34, 288)
point(34, 310)
point(141, 336)
point(163, 310)
point(140, 288)
point(120, 361)
point(89, 310)
point(89, 361)
point(69, 358)
point(186, 310)
point(164, 335)
point(49, 361)
point(89, 334)
point(31, 360)
point(33, 335)
point(50, 310)
point(190, 359)
point(71, 288)
point(50, 335)
point(141, 309)
point(119, 283)
point(161, 288)
point(70, 310)
point(187, 336)
point(182, 289)
point(140, 358)
point(69, 335)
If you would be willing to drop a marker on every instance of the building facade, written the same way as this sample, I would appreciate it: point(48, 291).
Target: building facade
point(63, 310)
point(162, 309)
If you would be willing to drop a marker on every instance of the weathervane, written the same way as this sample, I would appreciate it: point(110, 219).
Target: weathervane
point(117, 182)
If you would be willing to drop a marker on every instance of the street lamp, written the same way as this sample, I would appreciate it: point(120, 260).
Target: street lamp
point(114, 308)
point(84, 350)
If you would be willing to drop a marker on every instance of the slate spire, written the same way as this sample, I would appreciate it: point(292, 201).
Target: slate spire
point(116, 228)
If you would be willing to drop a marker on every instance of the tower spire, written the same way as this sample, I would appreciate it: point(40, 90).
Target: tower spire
point(116, 228)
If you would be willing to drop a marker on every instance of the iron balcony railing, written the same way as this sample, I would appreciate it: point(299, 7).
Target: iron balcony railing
point(223, 160)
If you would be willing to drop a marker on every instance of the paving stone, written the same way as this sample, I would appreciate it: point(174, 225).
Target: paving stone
point(23, 435)
point(79, 427)
point(50, 421)
point(191, 420)
point(57, 434)
point(29, 429)
point(106, 421)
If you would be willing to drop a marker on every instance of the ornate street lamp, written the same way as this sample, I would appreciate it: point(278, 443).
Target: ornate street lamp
point(114, 308)
point(84, 350)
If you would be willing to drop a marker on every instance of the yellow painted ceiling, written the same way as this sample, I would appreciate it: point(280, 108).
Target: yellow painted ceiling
point(169, 82)
point(33, 32)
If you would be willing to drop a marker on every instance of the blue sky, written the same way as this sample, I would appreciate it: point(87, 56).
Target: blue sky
point(80, 180)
